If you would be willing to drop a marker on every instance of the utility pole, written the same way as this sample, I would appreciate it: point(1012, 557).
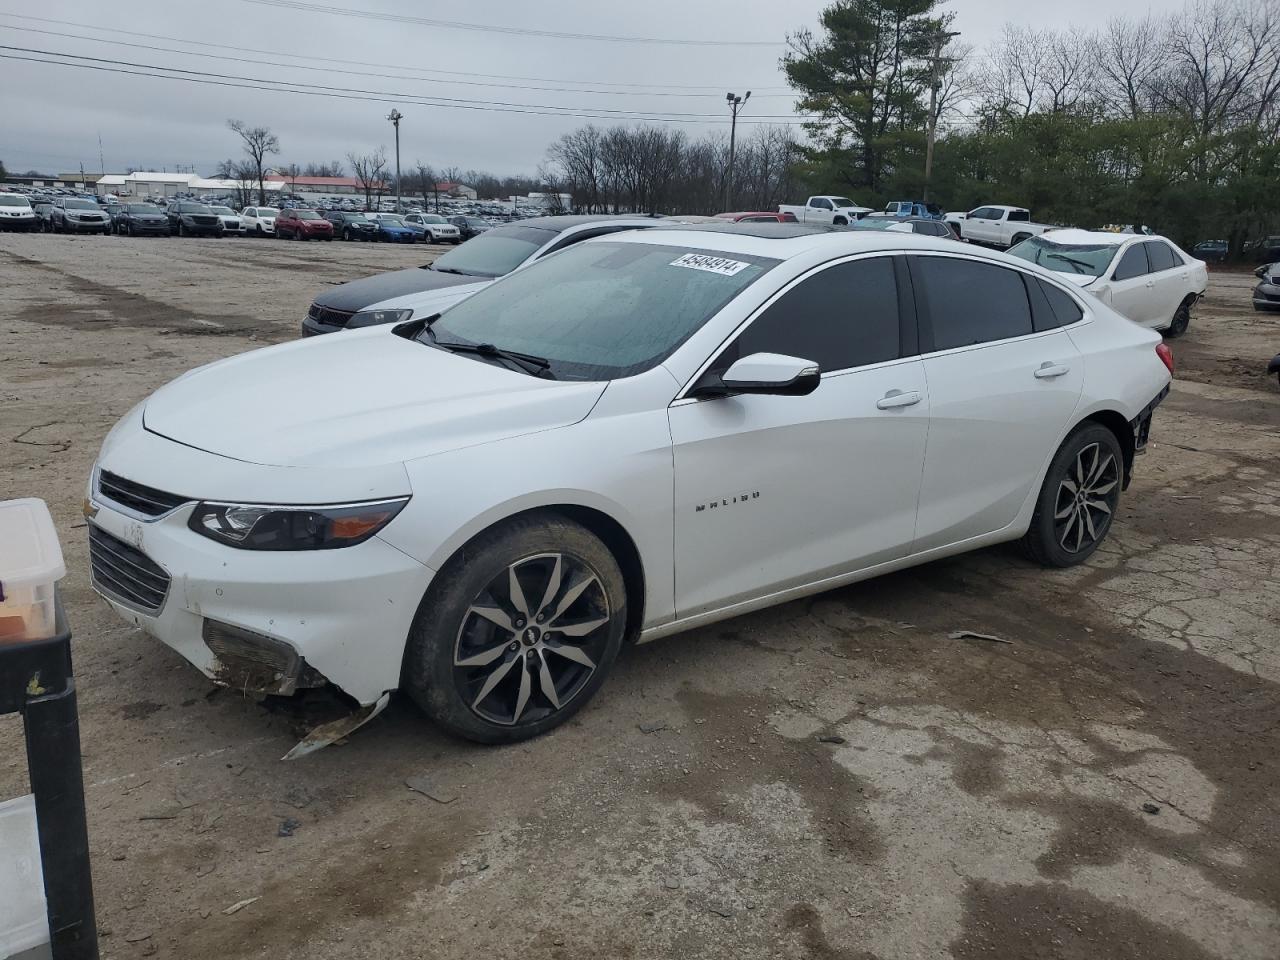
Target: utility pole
point(395, 116)
point(735, 104)
point(935, 81)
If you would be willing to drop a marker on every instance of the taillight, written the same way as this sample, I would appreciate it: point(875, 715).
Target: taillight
point(1165, 353)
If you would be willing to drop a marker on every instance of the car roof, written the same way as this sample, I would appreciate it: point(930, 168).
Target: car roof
point(1107, 237)
point(783, 241)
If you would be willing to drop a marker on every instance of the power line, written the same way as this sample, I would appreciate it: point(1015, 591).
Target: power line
point(345, 93)
point(508, 31)
point(428, 99)
point(364, 73)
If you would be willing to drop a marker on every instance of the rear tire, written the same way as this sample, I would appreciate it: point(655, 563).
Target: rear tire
point(1078, 500)
point(1181, 320)
point(516, 684)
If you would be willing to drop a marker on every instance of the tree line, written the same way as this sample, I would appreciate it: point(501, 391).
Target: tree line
point(1171, 120)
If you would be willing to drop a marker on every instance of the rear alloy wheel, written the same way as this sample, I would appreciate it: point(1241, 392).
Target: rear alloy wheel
point(516, 634)
point(1078, 500)
point(1181, 320)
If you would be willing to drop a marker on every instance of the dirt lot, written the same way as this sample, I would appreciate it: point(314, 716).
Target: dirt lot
point(984, 800)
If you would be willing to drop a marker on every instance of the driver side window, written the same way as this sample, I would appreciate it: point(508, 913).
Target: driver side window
point(841, 317)
point(822, 204)
point(1133, 263)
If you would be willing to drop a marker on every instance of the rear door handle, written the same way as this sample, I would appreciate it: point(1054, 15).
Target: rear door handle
point(1047, 371)
point(1151, 283)
point(896, 398)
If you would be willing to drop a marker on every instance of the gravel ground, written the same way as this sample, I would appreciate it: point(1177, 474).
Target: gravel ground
point(833, 778)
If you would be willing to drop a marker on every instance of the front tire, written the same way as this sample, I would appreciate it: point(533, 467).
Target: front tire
point(1078, 500)
point(518, 631)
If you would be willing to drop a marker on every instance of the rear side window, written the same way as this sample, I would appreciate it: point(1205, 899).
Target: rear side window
point(1133, 263)
point(1160, 256)
point(844, 316)
point(1022, 216)
point(1064, 308)
point(970, 302)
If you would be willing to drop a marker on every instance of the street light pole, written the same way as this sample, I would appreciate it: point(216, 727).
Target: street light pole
point(735, 104)
point(395, 116)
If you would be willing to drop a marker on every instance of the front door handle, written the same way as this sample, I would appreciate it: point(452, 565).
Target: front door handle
point(1047, 371)
point(896, 398)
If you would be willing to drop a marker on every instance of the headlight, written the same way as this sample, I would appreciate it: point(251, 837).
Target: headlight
point(255, 527)
point(373, 318)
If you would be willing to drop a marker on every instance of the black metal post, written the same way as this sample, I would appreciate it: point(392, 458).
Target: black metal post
point(57, 781)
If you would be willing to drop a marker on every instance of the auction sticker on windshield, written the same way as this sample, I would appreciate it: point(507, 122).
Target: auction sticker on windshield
point(699, 261)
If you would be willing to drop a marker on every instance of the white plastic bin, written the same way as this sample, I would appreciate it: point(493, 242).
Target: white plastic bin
point(30, 564)
point(24, 922)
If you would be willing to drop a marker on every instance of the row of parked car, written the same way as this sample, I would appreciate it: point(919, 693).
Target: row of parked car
point(182, 217)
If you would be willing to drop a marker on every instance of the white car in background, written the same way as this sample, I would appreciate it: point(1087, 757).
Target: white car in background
point(439, 230)
point(1148, 279)
point(641, 434)
point(232, 224)
point(259, 221)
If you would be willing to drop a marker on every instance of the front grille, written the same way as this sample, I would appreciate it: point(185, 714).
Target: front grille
point(138, 497)
point(125, 573)
point(326, 315)
point(205, 221)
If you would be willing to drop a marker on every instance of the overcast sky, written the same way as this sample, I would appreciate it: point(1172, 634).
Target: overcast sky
point(54, 115)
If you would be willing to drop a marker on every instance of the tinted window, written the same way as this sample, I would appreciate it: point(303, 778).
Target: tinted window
point(821, 204)
point(495, 253)
point(844, 316)
point(1064, 308)
point(1133, 263)
point(983, 213)
point(971, 302)
point(1019, 215)
point(1160, 255)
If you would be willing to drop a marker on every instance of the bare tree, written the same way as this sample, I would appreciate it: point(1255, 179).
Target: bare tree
point(259, 143)
point(1127, 57)
point(241, 173)
point(292, 172)
point(427, 183)
point(1064, 70)
point(332, 168)
point(369, 169)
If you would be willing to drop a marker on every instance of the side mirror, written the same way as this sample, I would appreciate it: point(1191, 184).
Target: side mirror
point(772, 373)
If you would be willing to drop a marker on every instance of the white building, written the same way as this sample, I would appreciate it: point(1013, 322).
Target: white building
point(146, 184)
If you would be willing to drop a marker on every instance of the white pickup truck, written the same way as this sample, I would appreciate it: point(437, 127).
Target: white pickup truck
point(996, 226)
point(827, 208)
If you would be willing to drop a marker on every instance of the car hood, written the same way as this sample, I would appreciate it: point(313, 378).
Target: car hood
point(359, 294)
point(1079, 279)
point(358, 398)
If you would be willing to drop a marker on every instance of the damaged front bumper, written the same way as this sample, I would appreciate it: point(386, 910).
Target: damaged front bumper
point(261, 622)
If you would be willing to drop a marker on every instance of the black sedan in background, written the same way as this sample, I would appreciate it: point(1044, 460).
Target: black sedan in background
point(1210, 251)
point(136, 219)
point(470, 226)
point(187, 219)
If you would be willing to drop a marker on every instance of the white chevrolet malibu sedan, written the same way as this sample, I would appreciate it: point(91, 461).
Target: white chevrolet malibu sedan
point(642, 434)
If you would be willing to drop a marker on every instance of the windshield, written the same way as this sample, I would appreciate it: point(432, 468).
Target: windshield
point(224, 211)
point(356, 218)
point(142, 208)
point(307, 215)
point(1090, 259)
point(392, 218)
point(602, 310)
point(875, 223)
point(7, 200)
point(80, 205)
point(433, 218)
point(494, 253)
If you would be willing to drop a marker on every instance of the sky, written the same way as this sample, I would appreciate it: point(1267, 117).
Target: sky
point(503, 88)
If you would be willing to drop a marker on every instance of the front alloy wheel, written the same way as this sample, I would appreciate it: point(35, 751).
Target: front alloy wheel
point(518, 631)
point(531, 640)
